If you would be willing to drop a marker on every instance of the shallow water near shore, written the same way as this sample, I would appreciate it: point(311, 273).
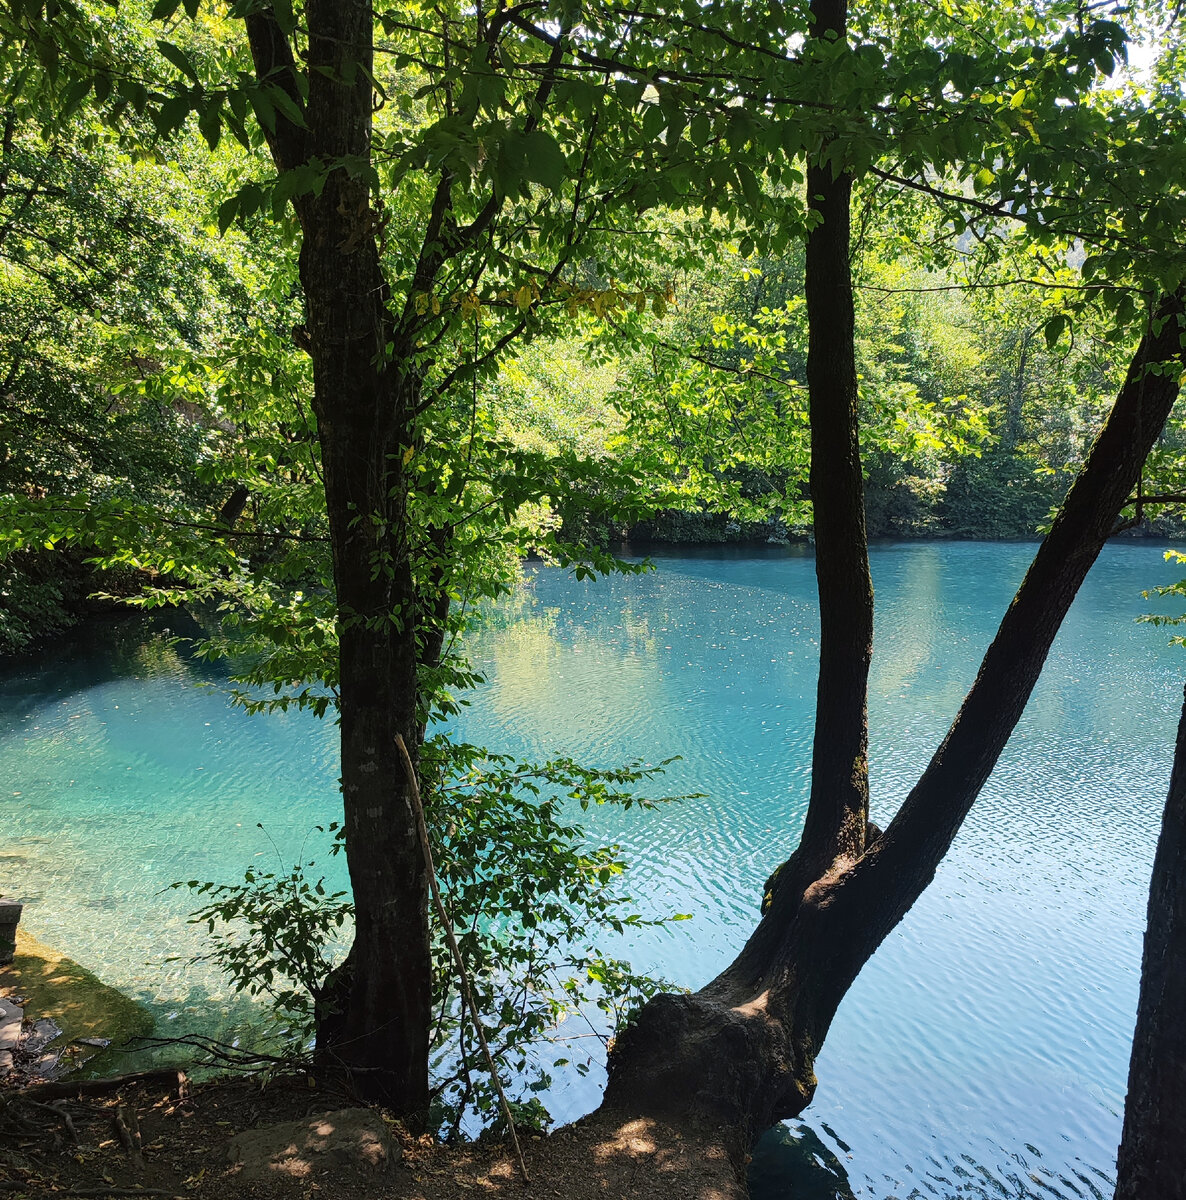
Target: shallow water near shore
point(982, 1052)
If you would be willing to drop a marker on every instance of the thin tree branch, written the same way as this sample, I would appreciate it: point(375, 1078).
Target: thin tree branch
point(454, 949)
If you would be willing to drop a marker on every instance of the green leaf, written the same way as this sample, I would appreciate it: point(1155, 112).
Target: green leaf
point(544, 161)
point(210, 123)
point(178, 58)
point(287, 105)
point(1054, 329)
point(226, 213)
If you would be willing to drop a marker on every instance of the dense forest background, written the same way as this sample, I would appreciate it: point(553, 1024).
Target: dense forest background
point(151, 379)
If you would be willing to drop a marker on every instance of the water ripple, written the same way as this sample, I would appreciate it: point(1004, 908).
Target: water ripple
point(983, 1050)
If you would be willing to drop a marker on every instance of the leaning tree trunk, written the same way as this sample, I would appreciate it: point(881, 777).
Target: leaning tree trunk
point(1152, 1160)
point(375, 1022)
point(740, 1053)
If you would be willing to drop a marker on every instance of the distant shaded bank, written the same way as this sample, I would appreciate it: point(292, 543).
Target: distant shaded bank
point(45, 592)
point(975, 505)
point(997, 497)
point(711, 529)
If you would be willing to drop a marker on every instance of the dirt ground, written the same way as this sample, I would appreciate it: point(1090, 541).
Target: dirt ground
point(161, 1136)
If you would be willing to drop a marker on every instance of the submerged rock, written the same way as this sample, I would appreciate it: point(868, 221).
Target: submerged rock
point(39, 1054)
point(82, 1006)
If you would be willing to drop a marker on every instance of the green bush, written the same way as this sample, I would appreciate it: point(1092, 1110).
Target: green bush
point(531, 904)
point(1000, 495)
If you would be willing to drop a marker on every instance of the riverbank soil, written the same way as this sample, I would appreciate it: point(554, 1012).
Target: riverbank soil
point(160, 1136)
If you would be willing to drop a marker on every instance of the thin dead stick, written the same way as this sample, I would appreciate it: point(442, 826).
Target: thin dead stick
point(117, 1191)
point(455, 950)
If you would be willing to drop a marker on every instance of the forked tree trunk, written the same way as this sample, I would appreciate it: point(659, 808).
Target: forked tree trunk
point(740, 1053)
point(375, 1024)
point(1152, 1159)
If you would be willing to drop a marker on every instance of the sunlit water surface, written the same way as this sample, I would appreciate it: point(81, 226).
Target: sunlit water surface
point(981, 1053)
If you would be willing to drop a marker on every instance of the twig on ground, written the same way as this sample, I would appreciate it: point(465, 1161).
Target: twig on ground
point(58, 1112)
point(117, 1191)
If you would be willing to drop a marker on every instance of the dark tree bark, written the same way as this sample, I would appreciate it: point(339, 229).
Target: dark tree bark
point(393, 598)
point(839, 809)
point(374, 1025)
point(740, 1053)
point(233, 507)
point(1152, 1160)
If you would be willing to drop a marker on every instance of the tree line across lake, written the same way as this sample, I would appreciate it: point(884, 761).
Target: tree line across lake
point(318, 317)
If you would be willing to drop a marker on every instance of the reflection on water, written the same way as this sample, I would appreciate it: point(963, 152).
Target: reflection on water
point(791, 1160)
point(794, 1162)
point(983, 1050)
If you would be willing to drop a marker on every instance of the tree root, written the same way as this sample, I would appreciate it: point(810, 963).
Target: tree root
point(67, 1089)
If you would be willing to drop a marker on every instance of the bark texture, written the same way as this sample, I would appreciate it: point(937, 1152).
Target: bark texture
point(1152, 1160)
point(839, 808)
point(374, 1025)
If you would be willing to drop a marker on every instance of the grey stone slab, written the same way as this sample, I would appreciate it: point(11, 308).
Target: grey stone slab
point(11, 1017)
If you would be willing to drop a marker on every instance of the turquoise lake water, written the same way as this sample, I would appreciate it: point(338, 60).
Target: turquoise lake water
point(982, 1052)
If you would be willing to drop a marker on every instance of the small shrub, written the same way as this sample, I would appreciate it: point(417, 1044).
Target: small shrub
point(531, 903)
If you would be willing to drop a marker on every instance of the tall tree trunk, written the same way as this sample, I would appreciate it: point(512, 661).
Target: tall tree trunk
point(1152, 1159)
point(839, 807)
point(838, 810)
point(375, 1023)
point(741, 1052)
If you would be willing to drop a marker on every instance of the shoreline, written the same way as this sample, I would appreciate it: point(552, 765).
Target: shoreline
point(56, 993)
